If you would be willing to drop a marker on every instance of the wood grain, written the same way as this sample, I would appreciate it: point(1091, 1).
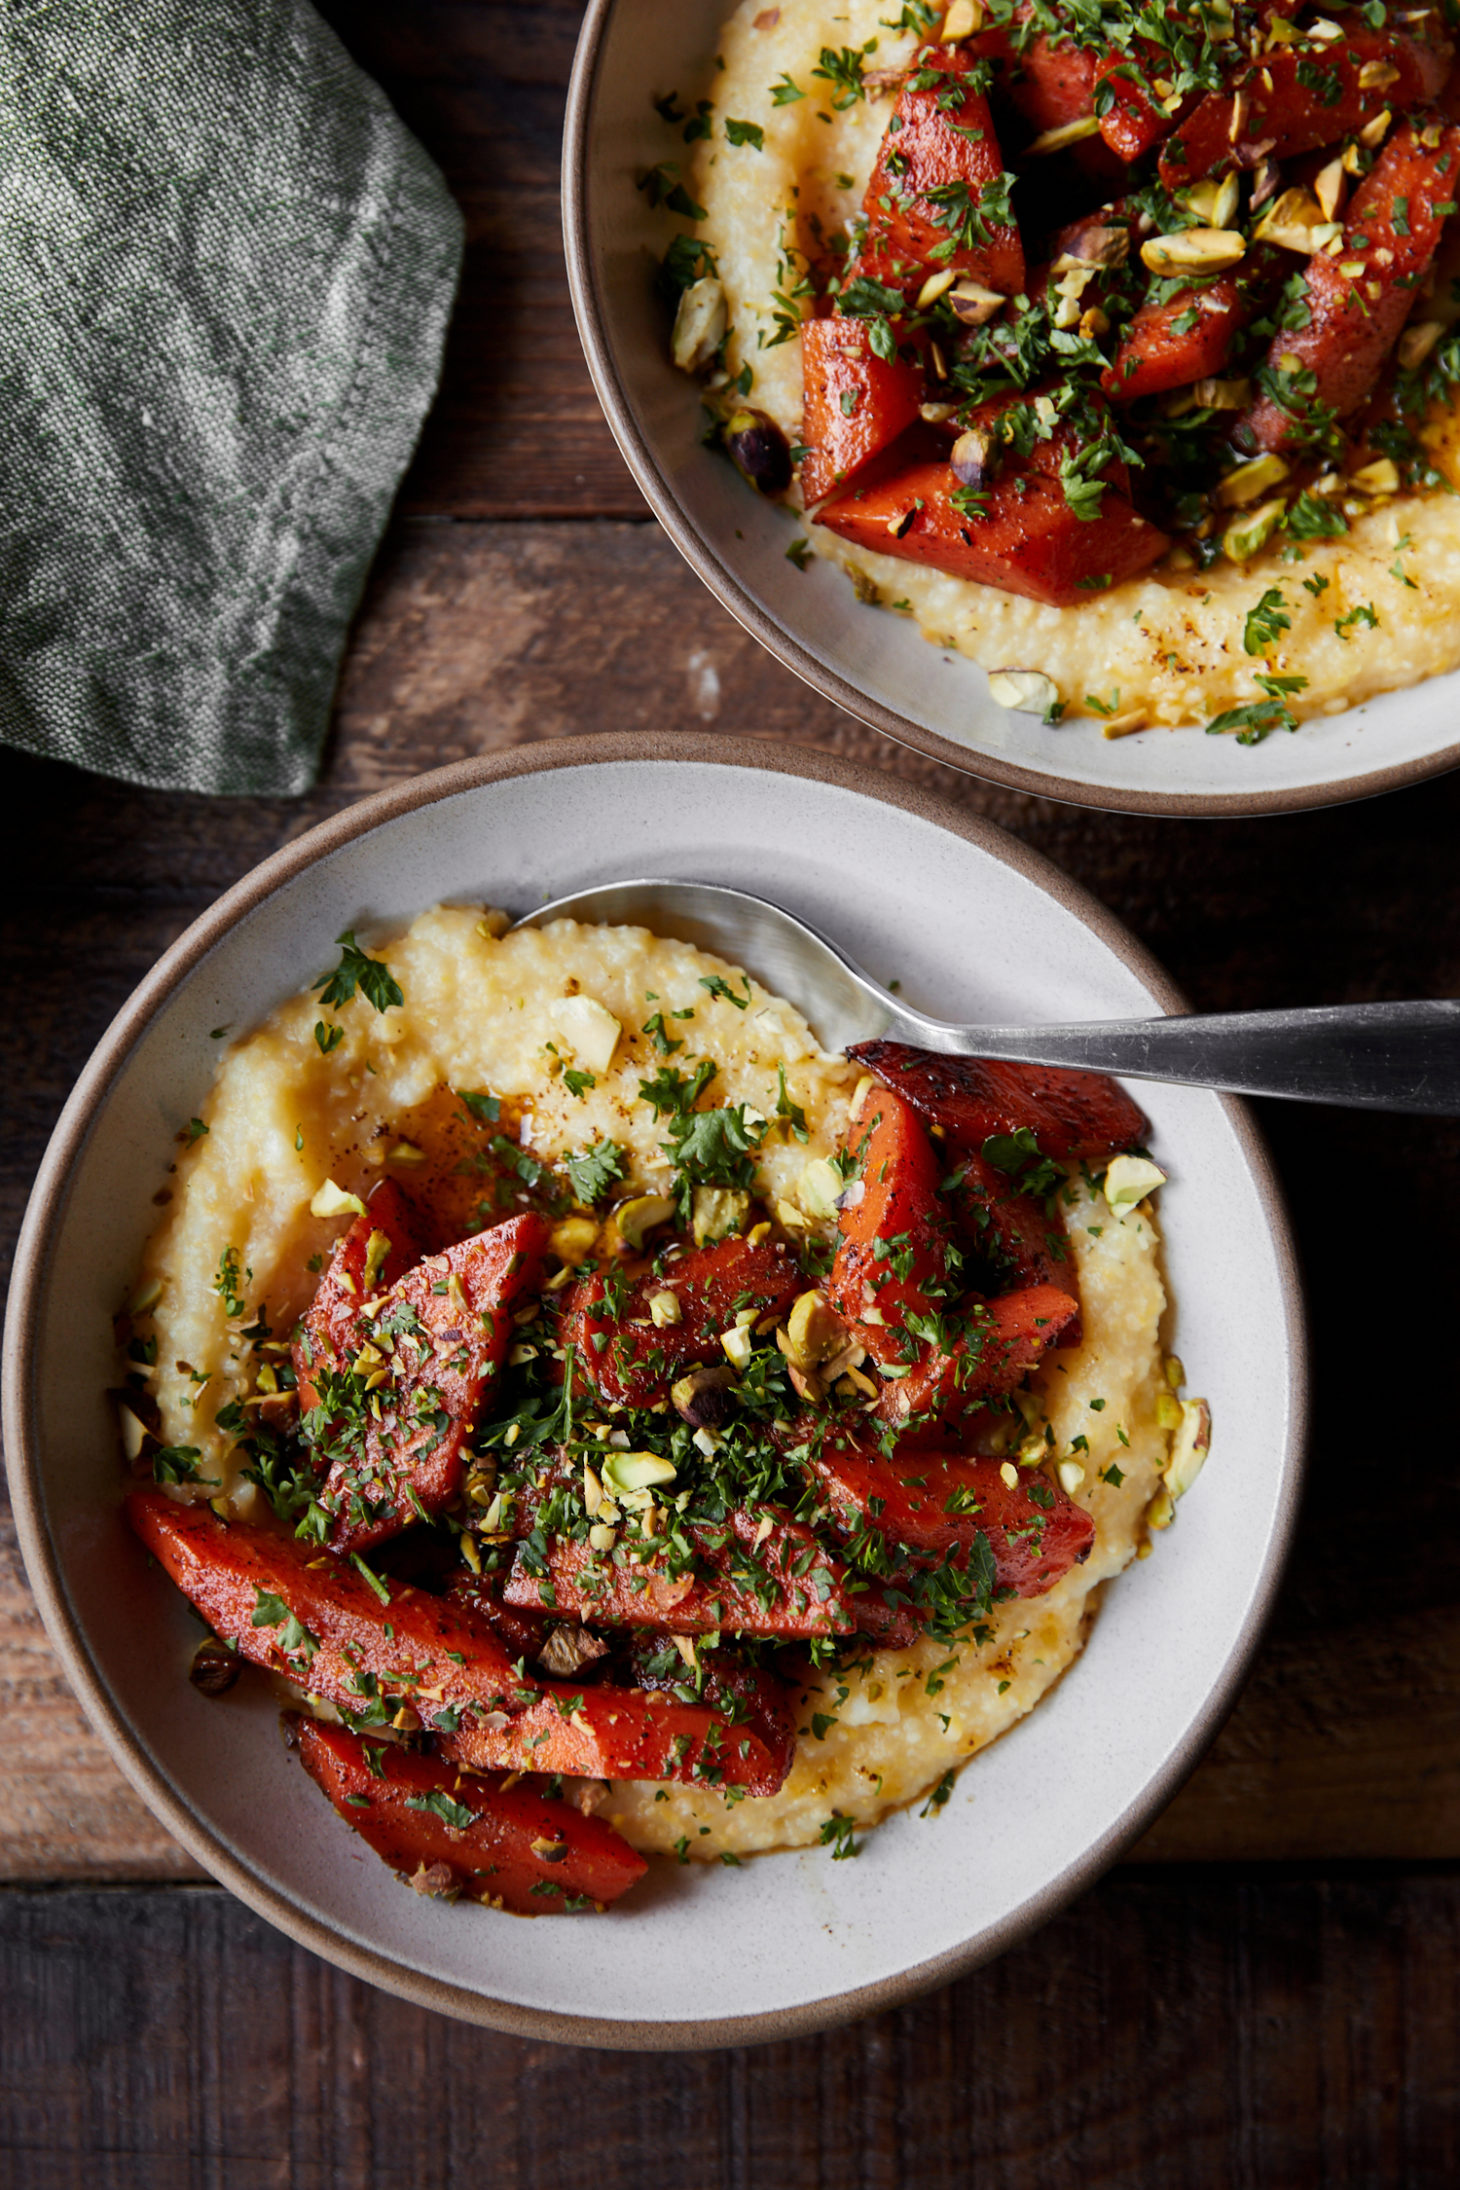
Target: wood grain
point(517, 431)
point(1165, 2031)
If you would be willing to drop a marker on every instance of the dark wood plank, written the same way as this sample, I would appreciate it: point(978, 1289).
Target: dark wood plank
point(1185, 2028)
point(516, 431)
point(476, 637)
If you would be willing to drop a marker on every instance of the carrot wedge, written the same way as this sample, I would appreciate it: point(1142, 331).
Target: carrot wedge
point(447, 1833)
point(1172, 344)
point(855, 405)
point(1359, 301)
point(1015, 1231)
point(934, 1502)
point(332, 1327)
point(303, 1612)
point(1004, 1339)
point(1021, 535)
point(624, 1733)
point(391, 1419)
point(628, 1359)
point(1289, 102)
point(897, 1255)
point(306, 1614)
point(1074, 1116)
point(760, 1573)
point(938, 198)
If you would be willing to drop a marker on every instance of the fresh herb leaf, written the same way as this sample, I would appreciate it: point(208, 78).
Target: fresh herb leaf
point(718, 986)
point(1363, 614)
point(839, 1834)
point(357, 970)
point(486, 1109)
point(1266, 622)
point(592, 1171)
point(440, 1804)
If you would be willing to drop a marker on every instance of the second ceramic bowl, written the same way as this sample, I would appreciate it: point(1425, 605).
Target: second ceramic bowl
point(875, 665)
point(975, 926)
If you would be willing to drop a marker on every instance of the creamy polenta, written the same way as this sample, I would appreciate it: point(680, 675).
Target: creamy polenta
point(323, 1100)
point(1374, 610)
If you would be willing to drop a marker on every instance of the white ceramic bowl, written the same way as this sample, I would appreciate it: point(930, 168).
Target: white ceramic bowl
point(877, 666)
point(974, 925)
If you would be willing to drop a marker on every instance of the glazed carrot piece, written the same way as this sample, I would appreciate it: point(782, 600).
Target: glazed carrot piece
point(1016, 1231)
point(760, 1573)
point(1169, 345)
point(936, 171)
point(856, 404)
point(391, 1420)
point(897, 1255)
point(727, 1681)
point(1023, 536)
point(1050, 81)
point(332, 1325)
point(628, 1359)
point(1294, 100)
point(1075, 1116)
point(450, 1833)
point(1133, 119)
point(1001, 1342)
point(935, 1502)
point(623, 1733)
point(316, 1618)
point(1359, 300)
point(308, 1615)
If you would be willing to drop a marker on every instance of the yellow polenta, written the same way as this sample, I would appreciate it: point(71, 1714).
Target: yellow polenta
point(284, 1116)
point(1171, 641)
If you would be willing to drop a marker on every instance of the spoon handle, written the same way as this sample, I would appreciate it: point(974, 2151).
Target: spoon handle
point(1403, 1057)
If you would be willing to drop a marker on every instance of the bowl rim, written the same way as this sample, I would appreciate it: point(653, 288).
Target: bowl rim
point(709, 565)
point(47, 1206)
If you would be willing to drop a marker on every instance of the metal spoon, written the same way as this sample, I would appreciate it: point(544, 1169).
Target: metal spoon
point(1363, 1056)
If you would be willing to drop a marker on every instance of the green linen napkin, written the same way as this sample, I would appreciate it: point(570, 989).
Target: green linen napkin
point(225, 275)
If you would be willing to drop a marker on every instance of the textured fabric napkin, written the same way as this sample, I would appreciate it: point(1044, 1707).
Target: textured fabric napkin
point(225, 275)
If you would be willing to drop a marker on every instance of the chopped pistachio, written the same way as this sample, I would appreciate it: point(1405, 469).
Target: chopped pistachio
point(962, 20)
point(813, 1332)
point(641, 1215)
point(1249, 533)
point(1161, 1512)
point(1381, 477)
point(1025, 691)
point(819, 1188)
point(1250, 481)
point(333, 1201)
point(1189, 1447)
point(1195, 251)
point(1128, 1180)
point(739, 1344)
point(573, 1239)
point(665, 1309)
point(699, 327)
point(628, 1472)
point(717, 1211)
point(589, 1028)
point(1064, 135)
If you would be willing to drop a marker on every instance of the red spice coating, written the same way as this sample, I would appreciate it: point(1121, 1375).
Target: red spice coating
point(521, 1850)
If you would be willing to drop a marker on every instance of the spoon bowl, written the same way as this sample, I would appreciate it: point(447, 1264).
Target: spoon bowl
point(1389, 1056)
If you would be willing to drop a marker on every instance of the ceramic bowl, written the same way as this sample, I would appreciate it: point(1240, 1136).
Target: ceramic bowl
point(973, 925)
point(875, 665)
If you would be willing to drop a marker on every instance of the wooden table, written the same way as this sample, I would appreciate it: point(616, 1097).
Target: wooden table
point(1267, 1993)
